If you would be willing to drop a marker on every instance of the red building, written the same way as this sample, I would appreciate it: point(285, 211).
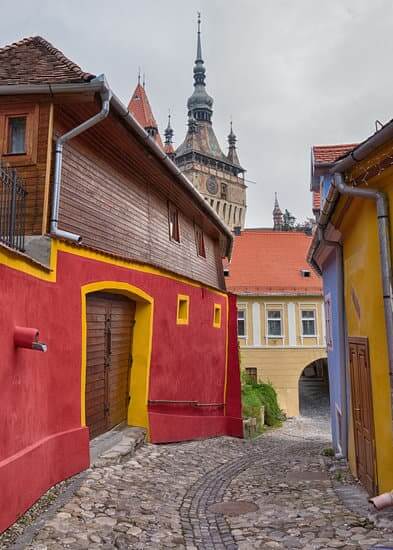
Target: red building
point(112, 255)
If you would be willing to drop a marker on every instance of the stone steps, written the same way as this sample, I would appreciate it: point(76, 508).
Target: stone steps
point(116, 446)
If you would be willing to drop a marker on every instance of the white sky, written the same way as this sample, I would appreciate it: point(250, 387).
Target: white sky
point(291, 73)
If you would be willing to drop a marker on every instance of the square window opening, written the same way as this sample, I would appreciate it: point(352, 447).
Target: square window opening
point(183, 303)
point(252, 374)
point(241, 323)
point(217, 316)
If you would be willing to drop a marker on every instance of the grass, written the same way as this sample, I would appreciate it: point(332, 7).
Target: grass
point(256, 394)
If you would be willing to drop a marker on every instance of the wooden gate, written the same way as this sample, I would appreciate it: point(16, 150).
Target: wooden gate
point(362, 412)
point(110, 321)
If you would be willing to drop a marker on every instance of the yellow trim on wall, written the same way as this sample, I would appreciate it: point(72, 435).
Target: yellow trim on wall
point(224, 400)
point(141, 348)
point(217, 316)
point(182, 309)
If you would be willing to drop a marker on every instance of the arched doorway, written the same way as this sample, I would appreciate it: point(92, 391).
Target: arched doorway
point(314, 389)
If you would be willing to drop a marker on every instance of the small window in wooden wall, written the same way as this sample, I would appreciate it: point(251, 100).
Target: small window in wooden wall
point(217, 316)
point(183, 309)
point(18, 134)
point(200, 242)
point(173, 220)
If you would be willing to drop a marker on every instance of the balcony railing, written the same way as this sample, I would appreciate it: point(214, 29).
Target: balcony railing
point(12, 208)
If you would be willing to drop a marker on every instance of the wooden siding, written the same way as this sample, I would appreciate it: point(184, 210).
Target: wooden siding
point(115, 195)
point(33, 174)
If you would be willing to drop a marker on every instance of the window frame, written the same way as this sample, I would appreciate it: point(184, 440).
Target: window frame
point(244, 311)
point(314, 319)
point(180, 318)
point(30, 112)
point(172, 208)
point(200, 244)
point(217, 315)
point(254, 375)
point(328, 322)
point(280, 319)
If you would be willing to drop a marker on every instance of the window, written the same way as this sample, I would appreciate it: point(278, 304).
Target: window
point(274, 323)
point(224, 191)
point(305, 273)
point(308, 322)
point(18, 134)
point(173, 218)
point(241, 323)
point(200, 242)
point(217, 316)
point(252, 374)
point(183, 306)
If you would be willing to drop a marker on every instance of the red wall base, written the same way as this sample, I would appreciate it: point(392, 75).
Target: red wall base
point(25, 476)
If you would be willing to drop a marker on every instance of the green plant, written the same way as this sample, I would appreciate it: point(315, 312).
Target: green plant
point(328, 452)
point(256, 394)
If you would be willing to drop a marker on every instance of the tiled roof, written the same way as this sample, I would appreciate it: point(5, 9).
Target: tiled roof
point(35, 61)
point(316, 200)
point(330, 153)
point(139, 107)
point(268, 262)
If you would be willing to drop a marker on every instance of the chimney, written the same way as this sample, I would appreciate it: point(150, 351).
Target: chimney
point(237, 230)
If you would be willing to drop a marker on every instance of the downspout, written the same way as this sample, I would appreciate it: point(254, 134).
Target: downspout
point(106, 95)
point(382, 205)
point(341, 331)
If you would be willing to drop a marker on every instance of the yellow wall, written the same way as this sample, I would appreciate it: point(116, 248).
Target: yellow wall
point(281, 360)
point(363, 284)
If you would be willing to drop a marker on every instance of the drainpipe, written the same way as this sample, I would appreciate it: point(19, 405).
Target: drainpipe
point(106, 95)
point(341, 331)
point(382, 205)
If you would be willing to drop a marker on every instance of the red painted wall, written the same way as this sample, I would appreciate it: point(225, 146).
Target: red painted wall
point(41, 440)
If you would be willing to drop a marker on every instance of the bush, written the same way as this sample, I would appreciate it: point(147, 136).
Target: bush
point(254, 395)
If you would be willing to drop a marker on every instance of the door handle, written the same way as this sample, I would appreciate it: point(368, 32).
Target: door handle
point(356, 409)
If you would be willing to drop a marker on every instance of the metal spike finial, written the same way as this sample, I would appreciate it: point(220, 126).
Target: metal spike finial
point(139, 75)
point(199, 46)
point(144, 80)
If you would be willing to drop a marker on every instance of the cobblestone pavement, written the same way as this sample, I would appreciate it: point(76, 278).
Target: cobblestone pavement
point(162, 498)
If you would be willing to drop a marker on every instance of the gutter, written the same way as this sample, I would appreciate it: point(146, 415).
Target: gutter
point(99, 85)
point(60, 141)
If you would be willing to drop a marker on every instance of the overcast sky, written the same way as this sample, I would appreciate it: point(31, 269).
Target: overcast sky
point(290, 73)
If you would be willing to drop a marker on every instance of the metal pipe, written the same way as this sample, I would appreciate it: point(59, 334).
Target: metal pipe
point(382, 205)
point(60, 141)
point(341, 331)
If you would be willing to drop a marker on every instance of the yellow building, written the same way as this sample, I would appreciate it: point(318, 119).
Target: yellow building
point(281, 325)
point(358, 193)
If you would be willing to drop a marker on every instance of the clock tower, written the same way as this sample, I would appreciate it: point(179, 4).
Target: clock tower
point(218, 177)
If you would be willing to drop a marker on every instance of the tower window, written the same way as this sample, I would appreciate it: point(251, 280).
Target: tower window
point(224, 191)
point(224, 211)
point(234, 214)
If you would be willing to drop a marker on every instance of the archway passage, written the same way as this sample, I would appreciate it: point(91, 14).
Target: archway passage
point(110, 323)
point(314, 389)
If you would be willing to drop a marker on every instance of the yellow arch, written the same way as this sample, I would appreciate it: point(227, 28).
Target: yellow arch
point(141, 348)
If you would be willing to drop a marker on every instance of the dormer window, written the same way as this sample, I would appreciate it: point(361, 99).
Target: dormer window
point(305, 272)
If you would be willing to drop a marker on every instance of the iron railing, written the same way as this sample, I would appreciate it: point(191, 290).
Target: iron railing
point(12, 208)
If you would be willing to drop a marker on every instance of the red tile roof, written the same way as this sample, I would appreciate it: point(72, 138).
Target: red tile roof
point(35, 61)
point(316, 200)
point(330, 153)
point(268, 262)
point(139, 107)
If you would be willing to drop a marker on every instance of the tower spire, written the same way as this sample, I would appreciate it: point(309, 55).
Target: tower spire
point(200, 103)
point(277, 215)
point(232, 153)
point(168, 144)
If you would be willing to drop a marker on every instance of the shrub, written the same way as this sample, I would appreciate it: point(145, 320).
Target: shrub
point(255, 394)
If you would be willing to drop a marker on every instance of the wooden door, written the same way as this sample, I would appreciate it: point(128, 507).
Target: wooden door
point(110, 321)
point(362, 412)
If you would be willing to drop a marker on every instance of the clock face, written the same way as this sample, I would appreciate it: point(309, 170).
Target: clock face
point(212, 185)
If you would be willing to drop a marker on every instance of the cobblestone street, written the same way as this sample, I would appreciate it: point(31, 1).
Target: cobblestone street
point(164, 497)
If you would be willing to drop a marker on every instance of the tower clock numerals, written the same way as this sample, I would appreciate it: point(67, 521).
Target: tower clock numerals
point(212, 185)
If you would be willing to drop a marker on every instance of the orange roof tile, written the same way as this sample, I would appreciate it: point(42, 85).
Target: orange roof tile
point(316, 200)
point(330, 153)
point(139, 107)
point(268, 262)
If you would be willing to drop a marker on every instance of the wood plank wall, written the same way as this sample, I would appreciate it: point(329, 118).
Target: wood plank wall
point(115, 195)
